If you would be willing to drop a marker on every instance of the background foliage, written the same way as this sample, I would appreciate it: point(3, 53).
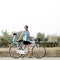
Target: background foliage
point(6, 39)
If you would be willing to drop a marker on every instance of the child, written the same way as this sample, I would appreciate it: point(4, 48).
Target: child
point(15, 39)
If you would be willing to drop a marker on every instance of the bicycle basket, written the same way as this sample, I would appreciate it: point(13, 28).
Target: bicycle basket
point(37, 41)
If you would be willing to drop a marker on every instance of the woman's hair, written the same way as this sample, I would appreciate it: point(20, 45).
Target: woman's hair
point(26, 26)
point(14, 34)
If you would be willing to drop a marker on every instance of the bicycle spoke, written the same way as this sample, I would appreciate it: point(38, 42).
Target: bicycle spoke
point(13, 53)
point(38, 52)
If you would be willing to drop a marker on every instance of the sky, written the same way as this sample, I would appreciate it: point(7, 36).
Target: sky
point(40, 15)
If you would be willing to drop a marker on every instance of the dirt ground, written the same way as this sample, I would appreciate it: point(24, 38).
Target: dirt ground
point(50, 52)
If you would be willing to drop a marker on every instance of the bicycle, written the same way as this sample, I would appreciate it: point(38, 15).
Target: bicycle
point(38, 50)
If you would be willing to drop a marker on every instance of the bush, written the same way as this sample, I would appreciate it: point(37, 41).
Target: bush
point(49, 44)
point(58, 44)
point(4, 42)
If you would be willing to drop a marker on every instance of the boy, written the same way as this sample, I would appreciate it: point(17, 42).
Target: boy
point(15, 39)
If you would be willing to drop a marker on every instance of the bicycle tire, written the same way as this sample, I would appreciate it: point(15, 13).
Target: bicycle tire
point(39, 52)
point(13, 52)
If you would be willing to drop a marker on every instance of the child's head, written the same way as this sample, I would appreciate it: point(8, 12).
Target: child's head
point(14, 34)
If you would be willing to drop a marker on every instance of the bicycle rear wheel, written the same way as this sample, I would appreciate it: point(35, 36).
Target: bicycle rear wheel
point(38, 51)
point(13, 51)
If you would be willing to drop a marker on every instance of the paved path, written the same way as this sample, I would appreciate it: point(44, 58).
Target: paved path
point(50, 58)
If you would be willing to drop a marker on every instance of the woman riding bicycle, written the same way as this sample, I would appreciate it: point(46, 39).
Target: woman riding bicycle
point(26, 37)
point(36, 50)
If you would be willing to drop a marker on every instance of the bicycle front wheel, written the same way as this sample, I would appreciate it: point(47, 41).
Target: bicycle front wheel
point(38, 51)
point(13, 51)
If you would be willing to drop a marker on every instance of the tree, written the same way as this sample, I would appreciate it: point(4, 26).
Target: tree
point(41, 36)
point(5, 39)
point(58, 38)
point(52, 38)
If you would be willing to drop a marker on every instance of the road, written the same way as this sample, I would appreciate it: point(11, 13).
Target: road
point(49, 58)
